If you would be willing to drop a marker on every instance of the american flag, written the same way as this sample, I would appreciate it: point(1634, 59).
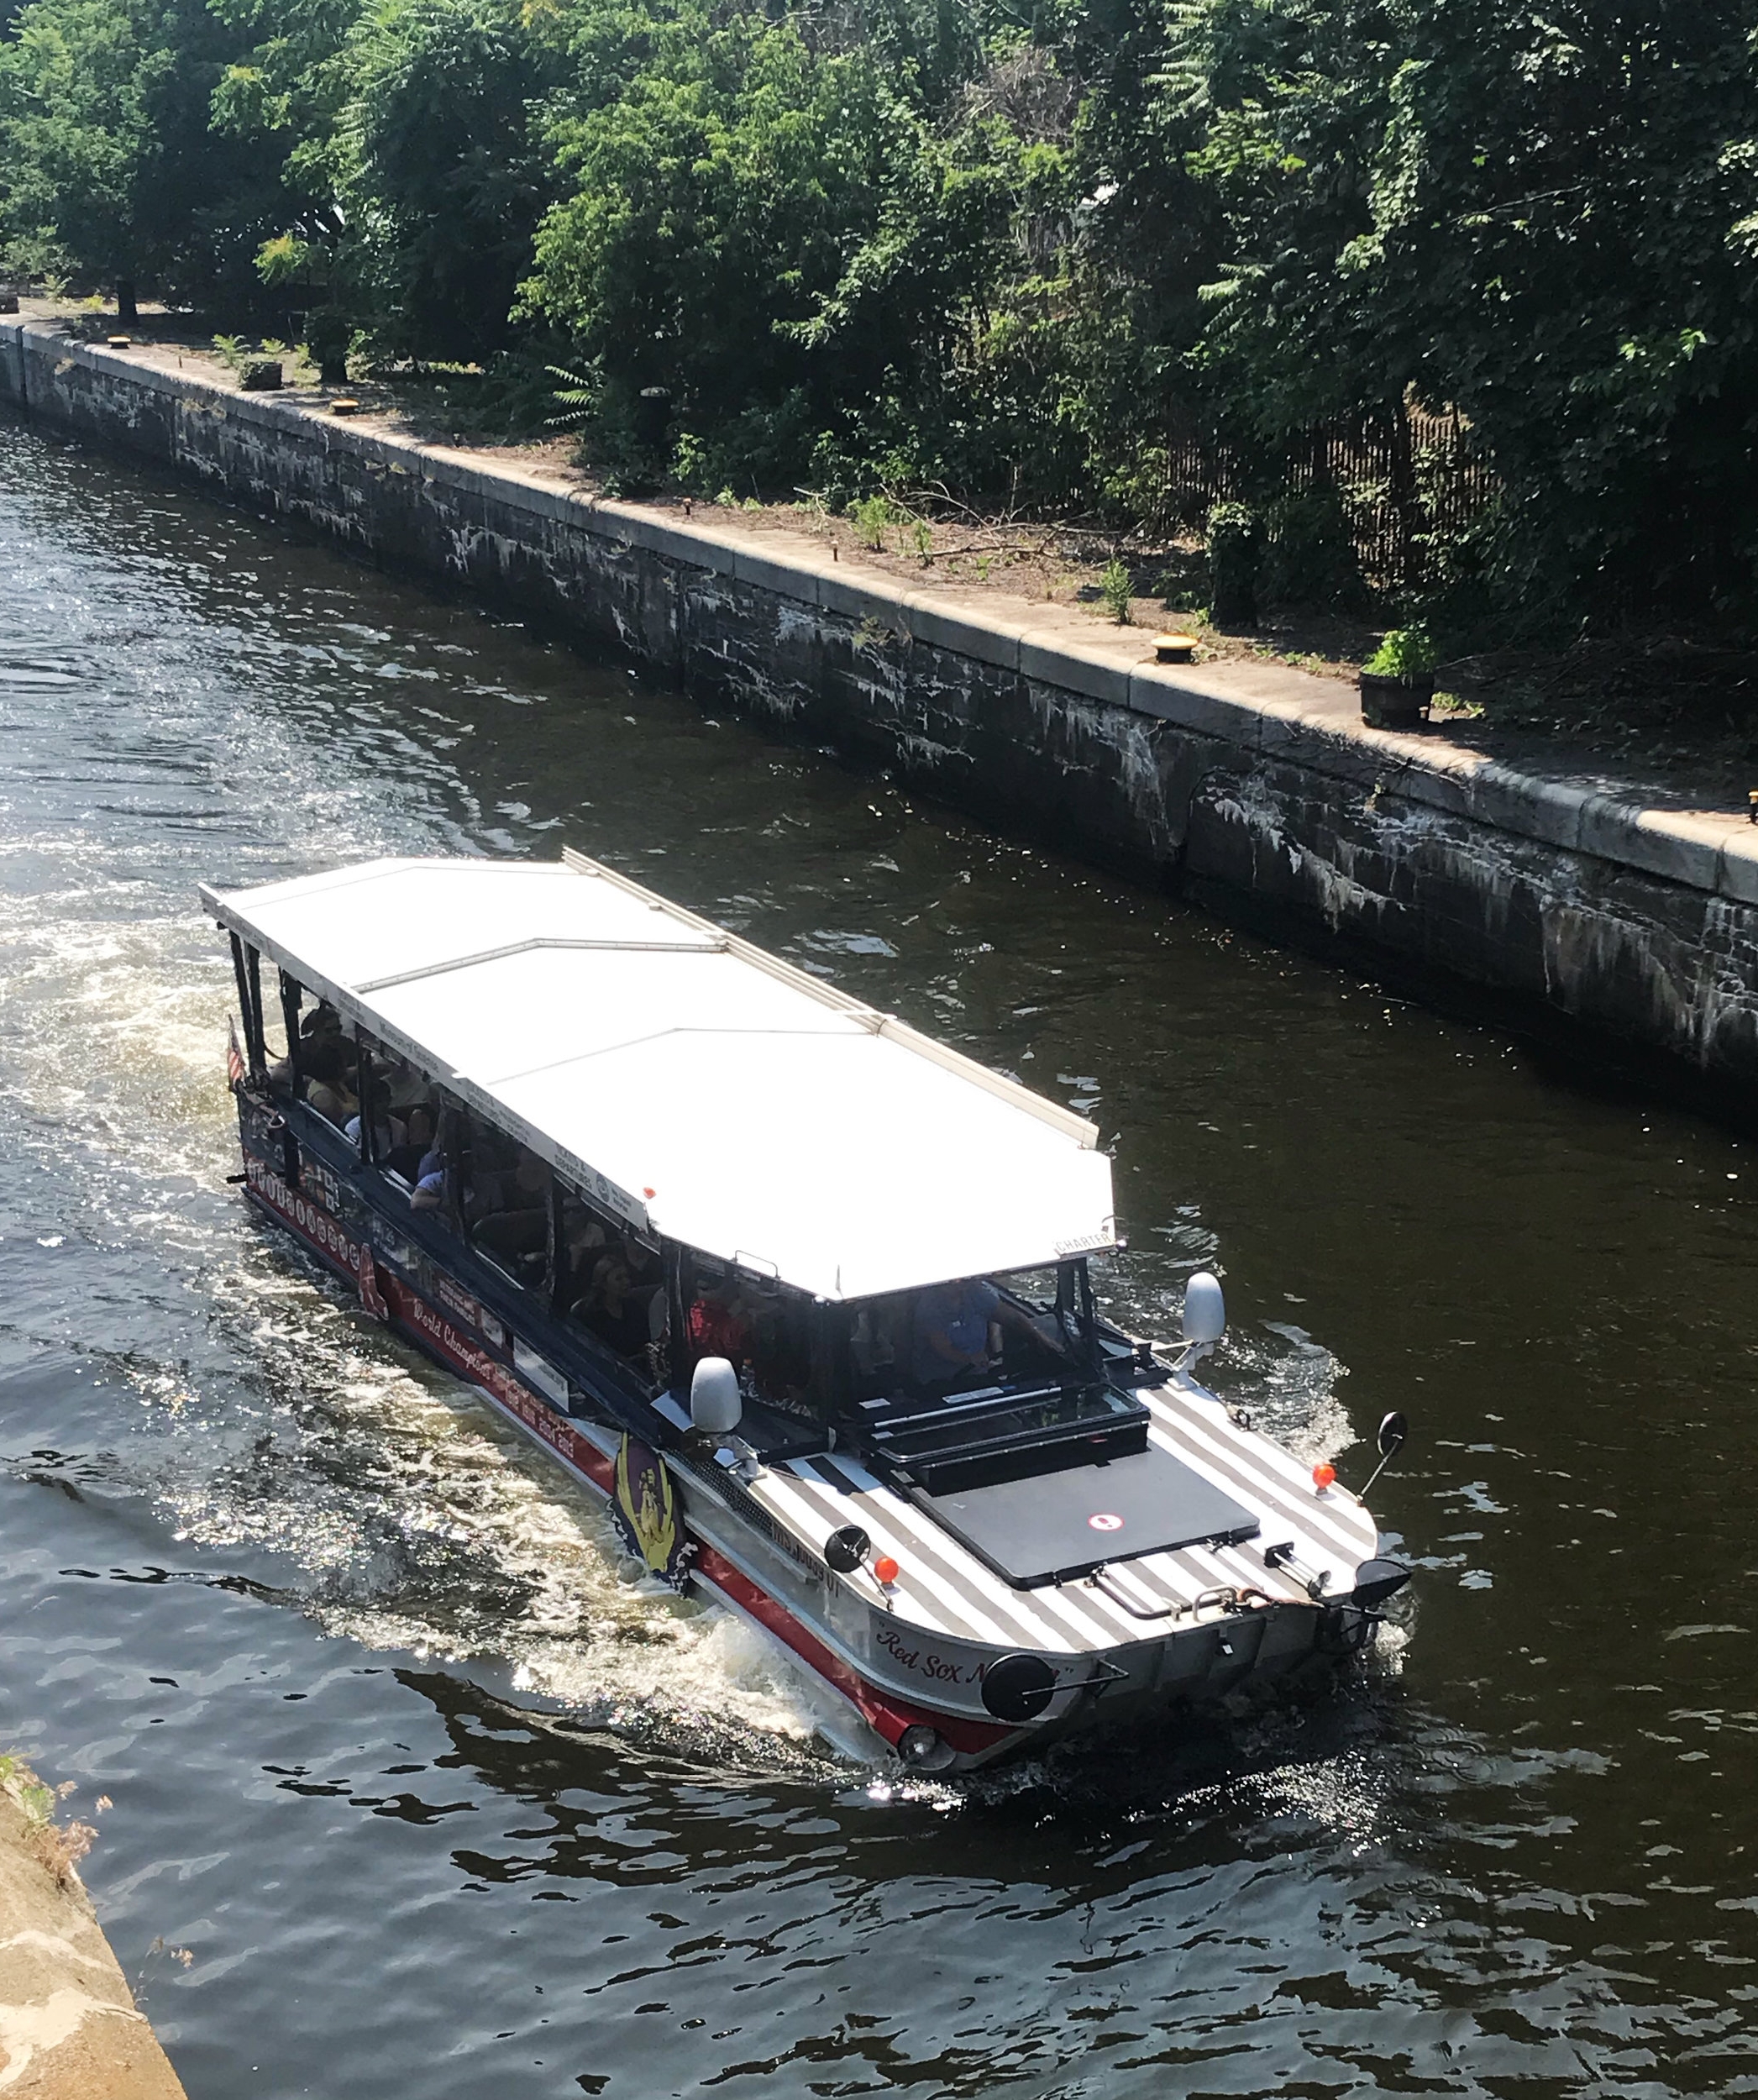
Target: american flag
point(234, 1056)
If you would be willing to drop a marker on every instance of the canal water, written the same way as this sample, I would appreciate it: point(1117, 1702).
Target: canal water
point(412, 1790)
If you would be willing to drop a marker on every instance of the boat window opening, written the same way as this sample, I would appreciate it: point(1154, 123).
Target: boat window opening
point(368, 1130)
point(404, 1121)
point(320, 1067)
point(438, 1178)
point(247, 973)
point(274, 1029)
point(612, 1282)
point(981, 1334)
point(763, 1328)
point(781, 1346)
point(507, 1205)
point(283, 1074)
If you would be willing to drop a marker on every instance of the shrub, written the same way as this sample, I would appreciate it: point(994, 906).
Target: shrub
point(1117, 587)
point(872, 514)
point(1236, 541)
point(1403, 653)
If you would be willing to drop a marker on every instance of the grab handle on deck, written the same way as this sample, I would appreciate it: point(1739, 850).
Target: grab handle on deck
point(1096, 1581)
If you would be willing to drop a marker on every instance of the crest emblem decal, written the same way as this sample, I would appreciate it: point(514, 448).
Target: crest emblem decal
point(644, 1510)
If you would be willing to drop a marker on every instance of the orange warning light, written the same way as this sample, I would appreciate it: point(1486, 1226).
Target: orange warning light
point(1323, 1476)
point(885, 1571)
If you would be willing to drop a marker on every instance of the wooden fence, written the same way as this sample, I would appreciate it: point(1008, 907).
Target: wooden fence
point(1403, 478)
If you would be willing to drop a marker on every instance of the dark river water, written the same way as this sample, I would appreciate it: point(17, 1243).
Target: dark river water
point(416, 1794)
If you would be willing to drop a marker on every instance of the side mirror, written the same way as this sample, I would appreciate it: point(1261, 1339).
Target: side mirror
point(716, 1405)
point(1206, 1311)
point(1392, 1430)
point(847, 1550)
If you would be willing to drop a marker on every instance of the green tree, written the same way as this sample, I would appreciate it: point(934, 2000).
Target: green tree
point(715, 175)
point(1540, 217)
point(444, 181)
point(812, 237)
point(107, 164)
point(280, 99)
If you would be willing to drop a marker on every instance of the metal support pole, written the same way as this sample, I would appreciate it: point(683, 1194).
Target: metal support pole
point(255, 1045)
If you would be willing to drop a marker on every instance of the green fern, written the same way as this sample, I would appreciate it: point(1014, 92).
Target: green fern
point(578, 399)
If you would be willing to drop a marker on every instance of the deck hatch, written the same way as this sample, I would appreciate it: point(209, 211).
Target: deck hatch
point(1053, 1527)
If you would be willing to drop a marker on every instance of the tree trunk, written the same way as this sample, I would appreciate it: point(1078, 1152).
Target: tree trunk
point(126, 309)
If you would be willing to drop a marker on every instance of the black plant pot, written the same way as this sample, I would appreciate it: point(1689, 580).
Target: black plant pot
point(1395, 703)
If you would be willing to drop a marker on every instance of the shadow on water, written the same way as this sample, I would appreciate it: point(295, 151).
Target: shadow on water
point(432, 1793)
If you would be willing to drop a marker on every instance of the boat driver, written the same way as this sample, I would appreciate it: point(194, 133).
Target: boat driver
point(956, 1331)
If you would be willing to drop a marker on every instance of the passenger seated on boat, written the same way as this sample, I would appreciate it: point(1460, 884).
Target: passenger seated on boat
point(612, 1310)
point(432, 1187)
point(409, 1090)
point(328, 1068)
point(420, 1135)
point(280, 1069)
point(719, 1323)
point(387, 1133)
point(646, 1273)
point(583, 1244)
point(513, 1222)
point(955, 1332)
point(503, 1177)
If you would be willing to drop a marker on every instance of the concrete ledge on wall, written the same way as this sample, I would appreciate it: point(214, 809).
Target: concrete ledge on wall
point(1510, 863)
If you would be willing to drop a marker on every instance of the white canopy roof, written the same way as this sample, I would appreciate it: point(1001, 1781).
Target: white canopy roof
point(692, 1083)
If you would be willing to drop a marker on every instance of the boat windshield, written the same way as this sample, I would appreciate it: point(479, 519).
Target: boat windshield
point(990, 1333)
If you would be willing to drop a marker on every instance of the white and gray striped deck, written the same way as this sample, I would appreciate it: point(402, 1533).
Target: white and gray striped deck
point(944, 1589)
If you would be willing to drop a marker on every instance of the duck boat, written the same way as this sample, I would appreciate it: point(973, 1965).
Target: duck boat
point(802, 1294)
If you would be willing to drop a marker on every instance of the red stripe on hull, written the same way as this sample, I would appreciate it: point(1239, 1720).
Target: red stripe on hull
point(889, 1717)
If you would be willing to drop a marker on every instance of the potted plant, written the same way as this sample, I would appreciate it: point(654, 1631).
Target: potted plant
point(1398, 681)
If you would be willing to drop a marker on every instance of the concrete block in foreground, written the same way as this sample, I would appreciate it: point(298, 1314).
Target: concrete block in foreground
point(69, 2029)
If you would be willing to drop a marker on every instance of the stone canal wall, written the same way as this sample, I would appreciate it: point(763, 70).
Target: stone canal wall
point(1628, 915)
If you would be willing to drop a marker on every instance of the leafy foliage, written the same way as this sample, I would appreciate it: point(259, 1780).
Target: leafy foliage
point(1542, 217)
point(1404, 652)
point(440, 175)
point(1026, 256)
point(107, 165)
point(1117, 588)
